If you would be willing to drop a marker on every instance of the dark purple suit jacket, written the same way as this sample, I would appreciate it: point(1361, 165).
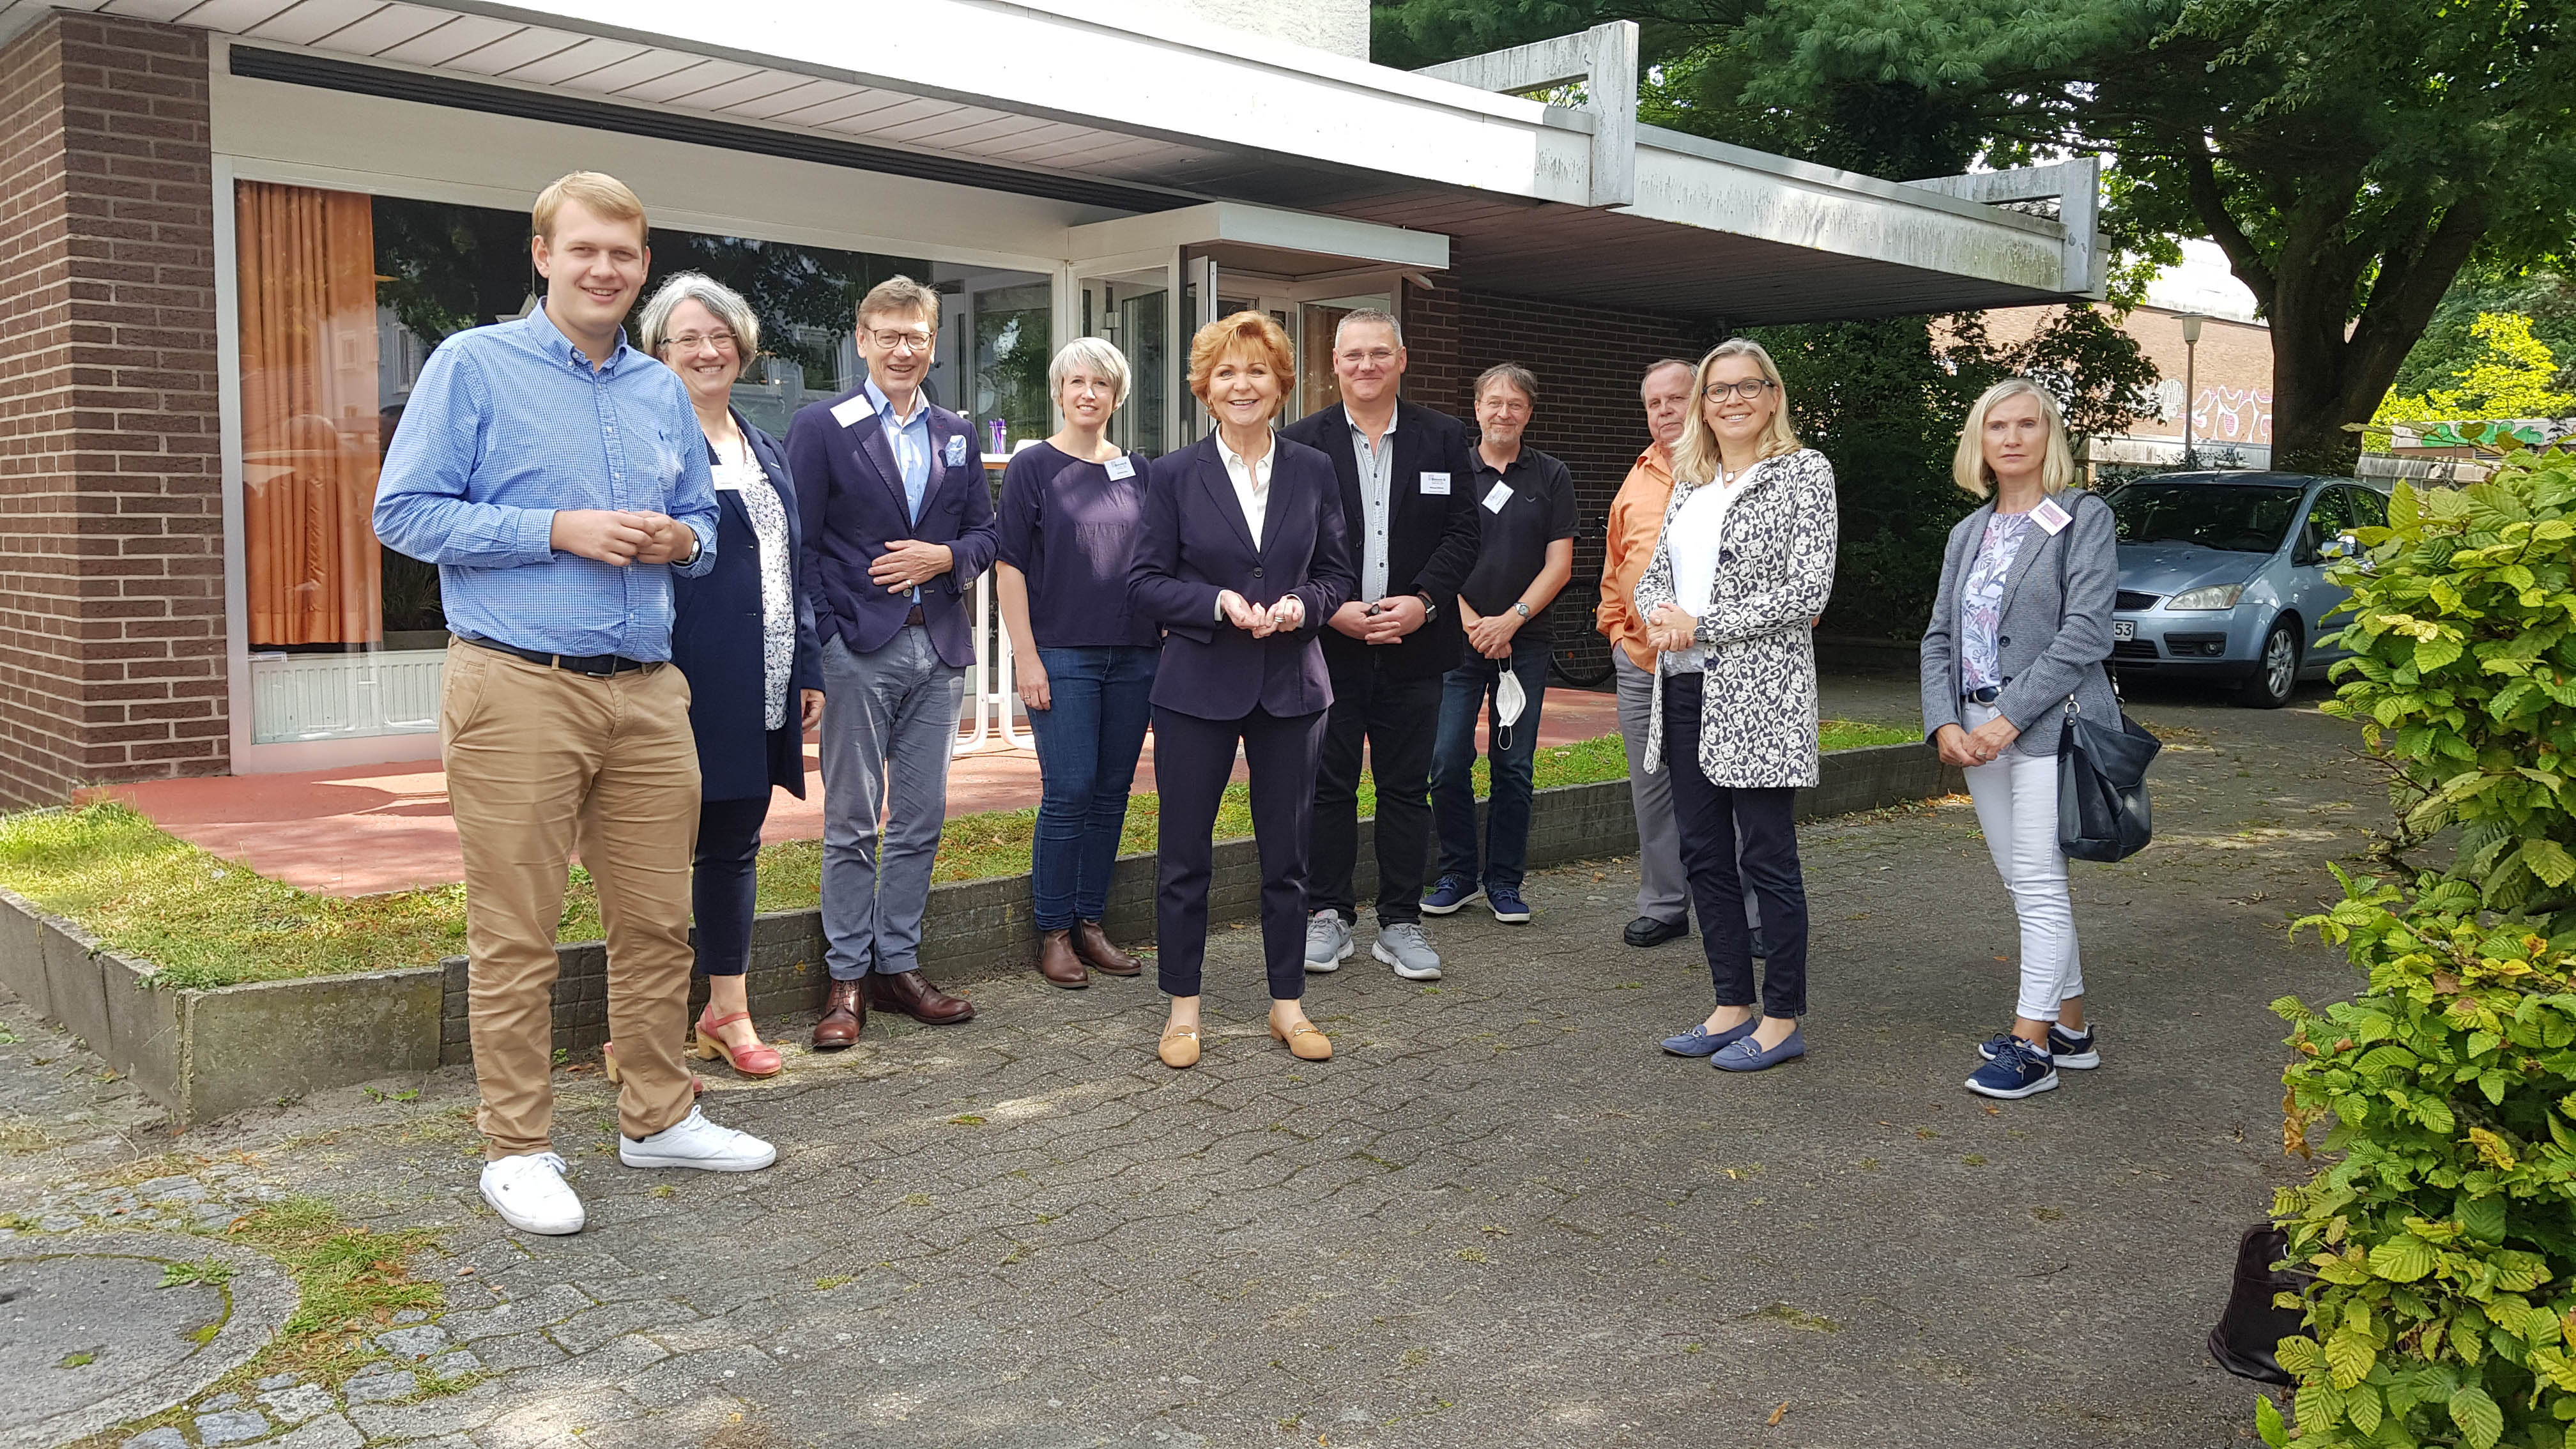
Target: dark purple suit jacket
point(1194, 541)
point(849, 498)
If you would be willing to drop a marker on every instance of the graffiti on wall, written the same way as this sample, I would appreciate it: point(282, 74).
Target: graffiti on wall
point(2220, 414)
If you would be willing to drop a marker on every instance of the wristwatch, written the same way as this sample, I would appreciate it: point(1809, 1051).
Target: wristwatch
point(1430, 610)
point(1521, 607)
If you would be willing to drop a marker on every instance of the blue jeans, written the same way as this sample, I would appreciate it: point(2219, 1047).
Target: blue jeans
point(1098, 703)
point(1465, 692)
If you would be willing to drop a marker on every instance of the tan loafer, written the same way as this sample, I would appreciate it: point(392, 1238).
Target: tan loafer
point(1306, 1040)
point(1179, 1049)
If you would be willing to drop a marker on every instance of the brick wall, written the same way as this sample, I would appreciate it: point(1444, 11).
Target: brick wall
point(1589, 363)
point(111, 515)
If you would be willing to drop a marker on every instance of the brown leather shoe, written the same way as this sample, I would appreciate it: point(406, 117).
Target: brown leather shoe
point(907, 992)
point(1058, 964)
point(1092, 944)
point(845, 1010)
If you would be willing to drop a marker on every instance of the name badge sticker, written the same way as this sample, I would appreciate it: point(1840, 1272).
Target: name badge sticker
point(2051, 517)
point(1497, 496)
point(1121, 466)
point(850, 412)
point(728, 484)
point(957, 452)
point(1435, 485)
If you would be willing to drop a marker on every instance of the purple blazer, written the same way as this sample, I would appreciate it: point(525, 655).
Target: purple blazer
point(1194, 541)
point(849, 501)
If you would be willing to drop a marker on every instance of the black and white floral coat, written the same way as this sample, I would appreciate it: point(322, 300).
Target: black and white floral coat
point(1757, 726)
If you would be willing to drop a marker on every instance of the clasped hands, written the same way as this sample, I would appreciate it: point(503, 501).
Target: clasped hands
point(621, 536)
point(1261, 621)
point(1670, 630)
point(1385, 622)
point(1981, 746)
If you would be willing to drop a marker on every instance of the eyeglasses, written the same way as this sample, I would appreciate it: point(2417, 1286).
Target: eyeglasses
point(900, 341)
point(722, 341)
point(1749, 389)
point(1377, 356)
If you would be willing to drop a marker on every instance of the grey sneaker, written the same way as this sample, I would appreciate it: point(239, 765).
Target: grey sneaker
point(1328, 942)
point(1402, 946)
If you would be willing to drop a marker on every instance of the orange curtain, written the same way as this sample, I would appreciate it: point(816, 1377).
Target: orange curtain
point(309, 449)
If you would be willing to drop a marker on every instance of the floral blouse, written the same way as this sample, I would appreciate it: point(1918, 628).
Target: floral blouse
point(1981, 602)
point(742, 474)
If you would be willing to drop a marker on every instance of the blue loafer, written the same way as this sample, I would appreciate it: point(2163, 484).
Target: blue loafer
point(1746, 1056)
point(1699, 1041)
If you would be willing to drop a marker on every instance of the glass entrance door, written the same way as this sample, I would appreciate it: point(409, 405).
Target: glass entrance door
point(1133, 310)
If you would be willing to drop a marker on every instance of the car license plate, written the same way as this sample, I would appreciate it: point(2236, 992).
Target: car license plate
point(2124, 629)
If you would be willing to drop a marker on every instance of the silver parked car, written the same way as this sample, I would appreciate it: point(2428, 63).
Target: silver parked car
point(2222, 575)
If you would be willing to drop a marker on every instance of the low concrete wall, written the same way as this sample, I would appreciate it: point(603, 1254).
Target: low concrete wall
point(209, 1053)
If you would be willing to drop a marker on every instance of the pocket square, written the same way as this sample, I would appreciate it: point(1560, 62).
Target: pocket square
point(957, 452)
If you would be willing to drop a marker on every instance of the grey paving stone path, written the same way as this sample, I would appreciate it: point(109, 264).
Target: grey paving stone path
point(1497, 1217)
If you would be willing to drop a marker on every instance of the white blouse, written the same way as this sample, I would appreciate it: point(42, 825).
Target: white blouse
point(1697, 531)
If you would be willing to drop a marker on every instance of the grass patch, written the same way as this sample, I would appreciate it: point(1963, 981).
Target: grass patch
point(206, 921)
point(350, 1282)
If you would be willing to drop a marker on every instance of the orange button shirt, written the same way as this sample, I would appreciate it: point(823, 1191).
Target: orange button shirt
point(1636, 521)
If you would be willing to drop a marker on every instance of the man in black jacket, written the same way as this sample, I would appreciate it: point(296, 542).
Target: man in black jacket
point(1404, 473)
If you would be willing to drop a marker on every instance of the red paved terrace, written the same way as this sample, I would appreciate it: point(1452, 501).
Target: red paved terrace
point(365, 829)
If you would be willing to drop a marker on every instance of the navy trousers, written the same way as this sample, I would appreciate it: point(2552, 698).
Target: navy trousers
point(1193, 759)
point(1712, 820)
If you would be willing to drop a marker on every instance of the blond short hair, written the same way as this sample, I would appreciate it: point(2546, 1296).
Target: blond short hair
point(599, 193)
point(1968, 466)
point(1250, 333)
point(900, 294)
point(1101, 357)
point(1695, 457)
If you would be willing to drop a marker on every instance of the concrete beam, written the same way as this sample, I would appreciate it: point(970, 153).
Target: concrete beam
point(1604, 60)
point(2077, 185)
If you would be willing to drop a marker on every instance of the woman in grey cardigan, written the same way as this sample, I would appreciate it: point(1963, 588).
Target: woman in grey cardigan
point(1743, 565)
point(2018, 634)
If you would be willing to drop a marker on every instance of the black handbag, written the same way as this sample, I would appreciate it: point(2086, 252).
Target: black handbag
point(2250, 1331)
point(2102, 787)
point(2102, 780)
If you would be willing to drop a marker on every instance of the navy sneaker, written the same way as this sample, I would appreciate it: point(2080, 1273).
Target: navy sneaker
point(2076, 1052)
point(1699, 1041)
point(1507, 904)
point(2016, 1070)
point(1449, 895)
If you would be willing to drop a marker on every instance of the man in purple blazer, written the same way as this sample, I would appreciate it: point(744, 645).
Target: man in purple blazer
point(898, 521)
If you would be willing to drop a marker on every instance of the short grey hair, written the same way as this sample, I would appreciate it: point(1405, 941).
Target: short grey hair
point(1368, 316)
point(1691, 368)
point(1512, 372)
point(1101, 357)
point(654, 329)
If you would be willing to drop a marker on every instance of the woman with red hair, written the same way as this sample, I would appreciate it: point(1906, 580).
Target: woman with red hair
point(1240, 559)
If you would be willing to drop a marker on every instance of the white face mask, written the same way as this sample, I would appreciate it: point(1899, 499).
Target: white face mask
point(1509, 700)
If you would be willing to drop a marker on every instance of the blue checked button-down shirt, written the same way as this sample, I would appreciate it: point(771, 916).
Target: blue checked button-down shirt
point(508, 424)
point(911, 444)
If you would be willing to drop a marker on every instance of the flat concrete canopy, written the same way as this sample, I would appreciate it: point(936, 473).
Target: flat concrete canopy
point(1581, 206)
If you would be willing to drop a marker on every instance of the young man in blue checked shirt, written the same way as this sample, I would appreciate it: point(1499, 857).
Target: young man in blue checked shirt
point(558, 479)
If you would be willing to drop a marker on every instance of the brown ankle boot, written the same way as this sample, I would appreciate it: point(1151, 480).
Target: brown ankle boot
point(909, 993)
point(1058, 964)
point(845, 1011)
point(1092, 944)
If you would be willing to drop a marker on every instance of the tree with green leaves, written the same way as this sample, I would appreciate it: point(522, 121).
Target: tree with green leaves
point(2349, 156)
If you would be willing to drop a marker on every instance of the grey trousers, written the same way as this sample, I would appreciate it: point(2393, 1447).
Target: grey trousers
point(889, 723)
point(1663, 887)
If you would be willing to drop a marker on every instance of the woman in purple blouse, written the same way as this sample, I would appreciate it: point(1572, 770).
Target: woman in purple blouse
point(1085, 665)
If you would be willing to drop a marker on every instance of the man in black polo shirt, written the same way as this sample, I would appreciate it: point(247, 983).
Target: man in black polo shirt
point(1403, 471)
point(1525, 514)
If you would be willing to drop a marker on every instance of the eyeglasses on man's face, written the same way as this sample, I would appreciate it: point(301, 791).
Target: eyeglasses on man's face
point(1751, 389)
point(912, 341)
point(1371, 357)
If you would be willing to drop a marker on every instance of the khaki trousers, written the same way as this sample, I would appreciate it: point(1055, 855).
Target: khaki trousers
point(542, 762)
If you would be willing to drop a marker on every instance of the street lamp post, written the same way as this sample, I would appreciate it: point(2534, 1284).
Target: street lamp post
point(2190, 390)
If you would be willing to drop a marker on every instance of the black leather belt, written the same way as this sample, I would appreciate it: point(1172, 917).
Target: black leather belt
point(913, 618)
point(597, 666)
point(1986, 694)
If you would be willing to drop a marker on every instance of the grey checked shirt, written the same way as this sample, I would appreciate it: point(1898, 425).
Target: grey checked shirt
point(1377, 488)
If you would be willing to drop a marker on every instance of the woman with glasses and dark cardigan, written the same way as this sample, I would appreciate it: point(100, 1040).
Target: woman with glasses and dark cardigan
point(1084, 664)
point(743, 634)
point(2019, 632)
point(1744, 564)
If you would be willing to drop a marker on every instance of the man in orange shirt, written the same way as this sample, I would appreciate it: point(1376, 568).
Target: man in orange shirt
point(1636, 521)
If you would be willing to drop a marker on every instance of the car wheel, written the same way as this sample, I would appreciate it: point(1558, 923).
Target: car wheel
point(2276, 668)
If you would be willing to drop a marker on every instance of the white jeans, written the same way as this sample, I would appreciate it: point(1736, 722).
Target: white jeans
point(2017, 809)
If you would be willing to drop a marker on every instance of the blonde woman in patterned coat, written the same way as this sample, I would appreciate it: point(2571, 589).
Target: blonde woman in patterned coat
point(1745, 563)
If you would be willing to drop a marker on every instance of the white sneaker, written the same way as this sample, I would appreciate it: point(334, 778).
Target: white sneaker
point(1328, 942)
point(1403, 946)
point(529, 1193)
point(696, 1142)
